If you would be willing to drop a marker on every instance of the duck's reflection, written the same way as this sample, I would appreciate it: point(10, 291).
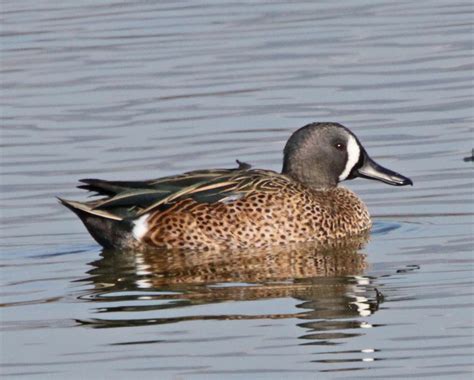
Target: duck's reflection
point(328, 282)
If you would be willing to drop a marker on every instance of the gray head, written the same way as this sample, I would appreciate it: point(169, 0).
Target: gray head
point(320, 155)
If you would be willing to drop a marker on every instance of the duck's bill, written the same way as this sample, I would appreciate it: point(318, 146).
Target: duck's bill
point(371, 170)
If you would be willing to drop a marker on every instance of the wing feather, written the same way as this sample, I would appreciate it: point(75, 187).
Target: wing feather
point(131, 199)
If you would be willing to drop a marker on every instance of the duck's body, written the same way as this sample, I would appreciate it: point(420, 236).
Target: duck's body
point(243, 207)
point(235, 208)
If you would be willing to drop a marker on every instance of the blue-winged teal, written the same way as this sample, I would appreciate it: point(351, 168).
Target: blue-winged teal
point(242, 207)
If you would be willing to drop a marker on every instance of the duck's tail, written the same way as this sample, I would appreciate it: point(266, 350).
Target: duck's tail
point(109, 230)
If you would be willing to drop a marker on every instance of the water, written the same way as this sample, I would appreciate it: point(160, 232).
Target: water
point(138, 90)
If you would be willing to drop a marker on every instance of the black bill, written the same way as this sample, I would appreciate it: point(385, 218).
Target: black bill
point(368, 168)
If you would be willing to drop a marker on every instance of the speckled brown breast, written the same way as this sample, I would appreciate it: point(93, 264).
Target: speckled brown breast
point(288, 213)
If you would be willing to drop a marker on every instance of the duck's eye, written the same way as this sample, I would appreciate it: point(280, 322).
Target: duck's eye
point(340, 146)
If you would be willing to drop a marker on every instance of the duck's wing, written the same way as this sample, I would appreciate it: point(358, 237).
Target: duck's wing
point(166, 184)
point(133, 199)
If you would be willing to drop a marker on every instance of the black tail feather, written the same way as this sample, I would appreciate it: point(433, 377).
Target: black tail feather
point(99, 186)
point(110, 188)
point(109, 233)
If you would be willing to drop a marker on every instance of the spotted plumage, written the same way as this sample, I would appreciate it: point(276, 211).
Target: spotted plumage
point(242, 207)
point(272, 209)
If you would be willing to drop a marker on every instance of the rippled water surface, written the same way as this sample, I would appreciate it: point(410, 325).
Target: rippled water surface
point(133, 90)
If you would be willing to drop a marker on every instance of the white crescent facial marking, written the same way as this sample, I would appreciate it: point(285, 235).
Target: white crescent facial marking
point(353, 154)
point(140, 227)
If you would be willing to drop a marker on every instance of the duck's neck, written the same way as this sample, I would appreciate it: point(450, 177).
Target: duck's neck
point(314, 179)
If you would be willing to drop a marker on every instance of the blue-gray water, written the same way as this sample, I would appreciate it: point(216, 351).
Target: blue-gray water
point(135, 90)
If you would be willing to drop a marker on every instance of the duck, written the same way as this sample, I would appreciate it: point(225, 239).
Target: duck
point(242, 207)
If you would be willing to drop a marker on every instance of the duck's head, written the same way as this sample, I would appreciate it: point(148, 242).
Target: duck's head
point(320, 155)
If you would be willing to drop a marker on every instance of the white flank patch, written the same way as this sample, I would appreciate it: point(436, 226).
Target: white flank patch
point(140, 227)
point(353, 154)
